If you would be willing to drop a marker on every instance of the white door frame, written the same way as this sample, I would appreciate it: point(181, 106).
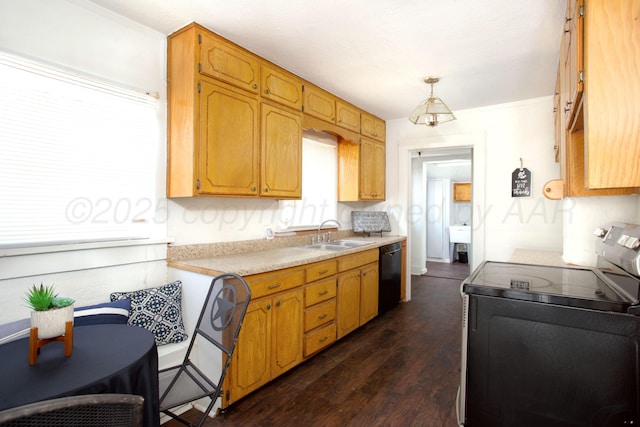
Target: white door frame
point(476, 141)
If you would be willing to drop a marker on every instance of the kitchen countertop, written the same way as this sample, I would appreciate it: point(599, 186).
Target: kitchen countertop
point(247, 263)
point(539, 257)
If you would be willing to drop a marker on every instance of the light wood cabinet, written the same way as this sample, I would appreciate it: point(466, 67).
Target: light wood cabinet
point(357, 294)
point(372, 170)
point(361, 171)
point(368, 293)
point(281, 167)
point(372, 127)
point(598, 137)
point(347, 116)
point(320, 306)
point(223, 168)
point(223, 61)
point(232, 115)
point(461, 191)
point(271, 338)
point(319, 103)
point(280, 86)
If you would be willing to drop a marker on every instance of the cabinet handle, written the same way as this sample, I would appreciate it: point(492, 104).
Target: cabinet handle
point(323, 272)
point(253, 189)
point(267, 91)
point(323, 339)
point(322, 316)
point(326, 291)
point(274, 286)
point(255, 86)
point(364, 274)
point(266, 190)
point(268, 306)
point(278, 304)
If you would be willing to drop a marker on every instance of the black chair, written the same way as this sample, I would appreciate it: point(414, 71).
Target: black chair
point(103, 410)
point(217, 328)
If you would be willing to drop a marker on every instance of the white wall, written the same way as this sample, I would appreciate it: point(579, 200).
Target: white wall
point(80, 36)
point(499, 135)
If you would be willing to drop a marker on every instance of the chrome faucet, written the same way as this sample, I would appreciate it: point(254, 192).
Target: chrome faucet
point(323, 223)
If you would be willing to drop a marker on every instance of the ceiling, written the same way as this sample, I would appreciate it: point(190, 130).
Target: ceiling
point(376, 53)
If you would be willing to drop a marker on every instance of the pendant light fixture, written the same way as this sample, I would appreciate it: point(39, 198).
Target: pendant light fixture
point(432, 111)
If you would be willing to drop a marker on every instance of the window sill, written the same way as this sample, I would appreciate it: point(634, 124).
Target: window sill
point(66, 257)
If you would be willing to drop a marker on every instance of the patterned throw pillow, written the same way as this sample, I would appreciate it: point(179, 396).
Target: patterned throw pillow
point(157, 309)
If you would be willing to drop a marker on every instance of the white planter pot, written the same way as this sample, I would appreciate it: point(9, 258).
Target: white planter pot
point(51, 323)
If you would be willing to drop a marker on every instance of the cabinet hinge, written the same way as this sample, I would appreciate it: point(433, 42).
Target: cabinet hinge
point(581, 76)
point(199, 38)
point(227, 395)
point(197, 184)
point(303, 108)
point(581, 11)
point(302, 88)
point(199, 88)
point(199, 67)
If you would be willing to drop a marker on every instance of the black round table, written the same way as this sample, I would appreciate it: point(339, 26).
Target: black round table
point(105, 359)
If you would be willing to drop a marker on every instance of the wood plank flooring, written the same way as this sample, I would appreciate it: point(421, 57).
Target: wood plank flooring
point(400, 369)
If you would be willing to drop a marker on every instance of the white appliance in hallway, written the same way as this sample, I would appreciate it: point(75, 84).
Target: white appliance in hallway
point(437, 217)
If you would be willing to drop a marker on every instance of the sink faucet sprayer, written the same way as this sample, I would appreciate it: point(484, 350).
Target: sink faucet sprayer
point(323, 223)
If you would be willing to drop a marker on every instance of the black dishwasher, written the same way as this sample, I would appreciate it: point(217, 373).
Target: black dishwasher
point(390, 265)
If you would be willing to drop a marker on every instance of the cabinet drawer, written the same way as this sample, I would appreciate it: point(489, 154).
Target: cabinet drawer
point(270, 283)
point(319, 314)
point(356, 260)
point(318, 292)
point(319, 339)
point(321, 270)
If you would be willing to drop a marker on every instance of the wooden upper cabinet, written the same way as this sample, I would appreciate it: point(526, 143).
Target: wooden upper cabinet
point(612, 91)
point(223, 168)
point(347, 116)
point(280, 86)
point(224, 61)
point(461, 191)
point(319, 103)
point(372, 127)
point(281, 152)
point(372, 170)
point(572, 56)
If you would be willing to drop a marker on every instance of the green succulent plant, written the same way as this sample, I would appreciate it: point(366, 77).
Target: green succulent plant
point(42, 298)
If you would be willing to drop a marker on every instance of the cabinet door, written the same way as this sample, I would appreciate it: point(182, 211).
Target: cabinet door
point(348, 300)
point(224, 61)
point(573, 56)
point(287, 331)
point(281, 87)
point(372, 170)
point(372, 127)
point(319, 103)
point(347, 116)
point(461, 191)
point(250, 367)
point(228, 156)
point(368, 293)
point(281, 170)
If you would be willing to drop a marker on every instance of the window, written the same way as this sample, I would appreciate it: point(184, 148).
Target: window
point(78, 157)
point(319, 183)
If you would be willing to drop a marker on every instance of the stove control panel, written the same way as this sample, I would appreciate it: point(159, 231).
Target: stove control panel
point(620, 245)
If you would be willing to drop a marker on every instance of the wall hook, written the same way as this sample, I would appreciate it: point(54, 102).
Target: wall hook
point(521, 163)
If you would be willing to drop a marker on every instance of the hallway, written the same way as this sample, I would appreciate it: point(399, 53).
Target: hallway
point(400, 369)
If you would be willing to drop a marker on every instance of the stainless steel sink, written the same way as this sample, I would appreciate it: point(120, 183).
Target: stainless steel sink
point(350, 243)
point(338, 245)
point(326, 246)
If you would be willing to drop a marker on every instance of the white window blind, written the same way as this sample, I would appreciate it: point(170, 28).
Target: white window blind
point(319, 183)
point(78, 158)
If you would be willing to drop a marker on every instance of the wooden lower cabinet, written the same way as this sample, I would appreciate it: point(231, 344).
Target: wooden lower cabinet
point(368, 293)
point(269, 344)
point(295, 313)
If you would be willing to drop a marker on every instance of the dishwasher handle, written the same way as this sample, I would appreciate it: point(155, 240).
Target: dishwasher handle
point(390, 253)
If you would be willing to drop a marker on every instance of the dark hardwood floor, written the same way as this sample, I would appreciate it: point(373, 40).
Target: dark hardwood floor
point(400, 369)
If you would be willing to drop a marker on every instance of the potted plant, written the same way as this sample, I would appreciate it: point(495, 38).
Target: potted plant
point(50, 312)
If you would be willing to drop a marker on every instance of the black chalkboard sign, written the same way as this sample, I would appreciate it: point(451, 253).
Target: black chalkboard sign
point(521, 183)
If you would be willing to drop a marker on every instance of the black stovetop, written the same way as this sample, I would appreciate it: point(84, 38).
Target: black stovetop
point(575, 287)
